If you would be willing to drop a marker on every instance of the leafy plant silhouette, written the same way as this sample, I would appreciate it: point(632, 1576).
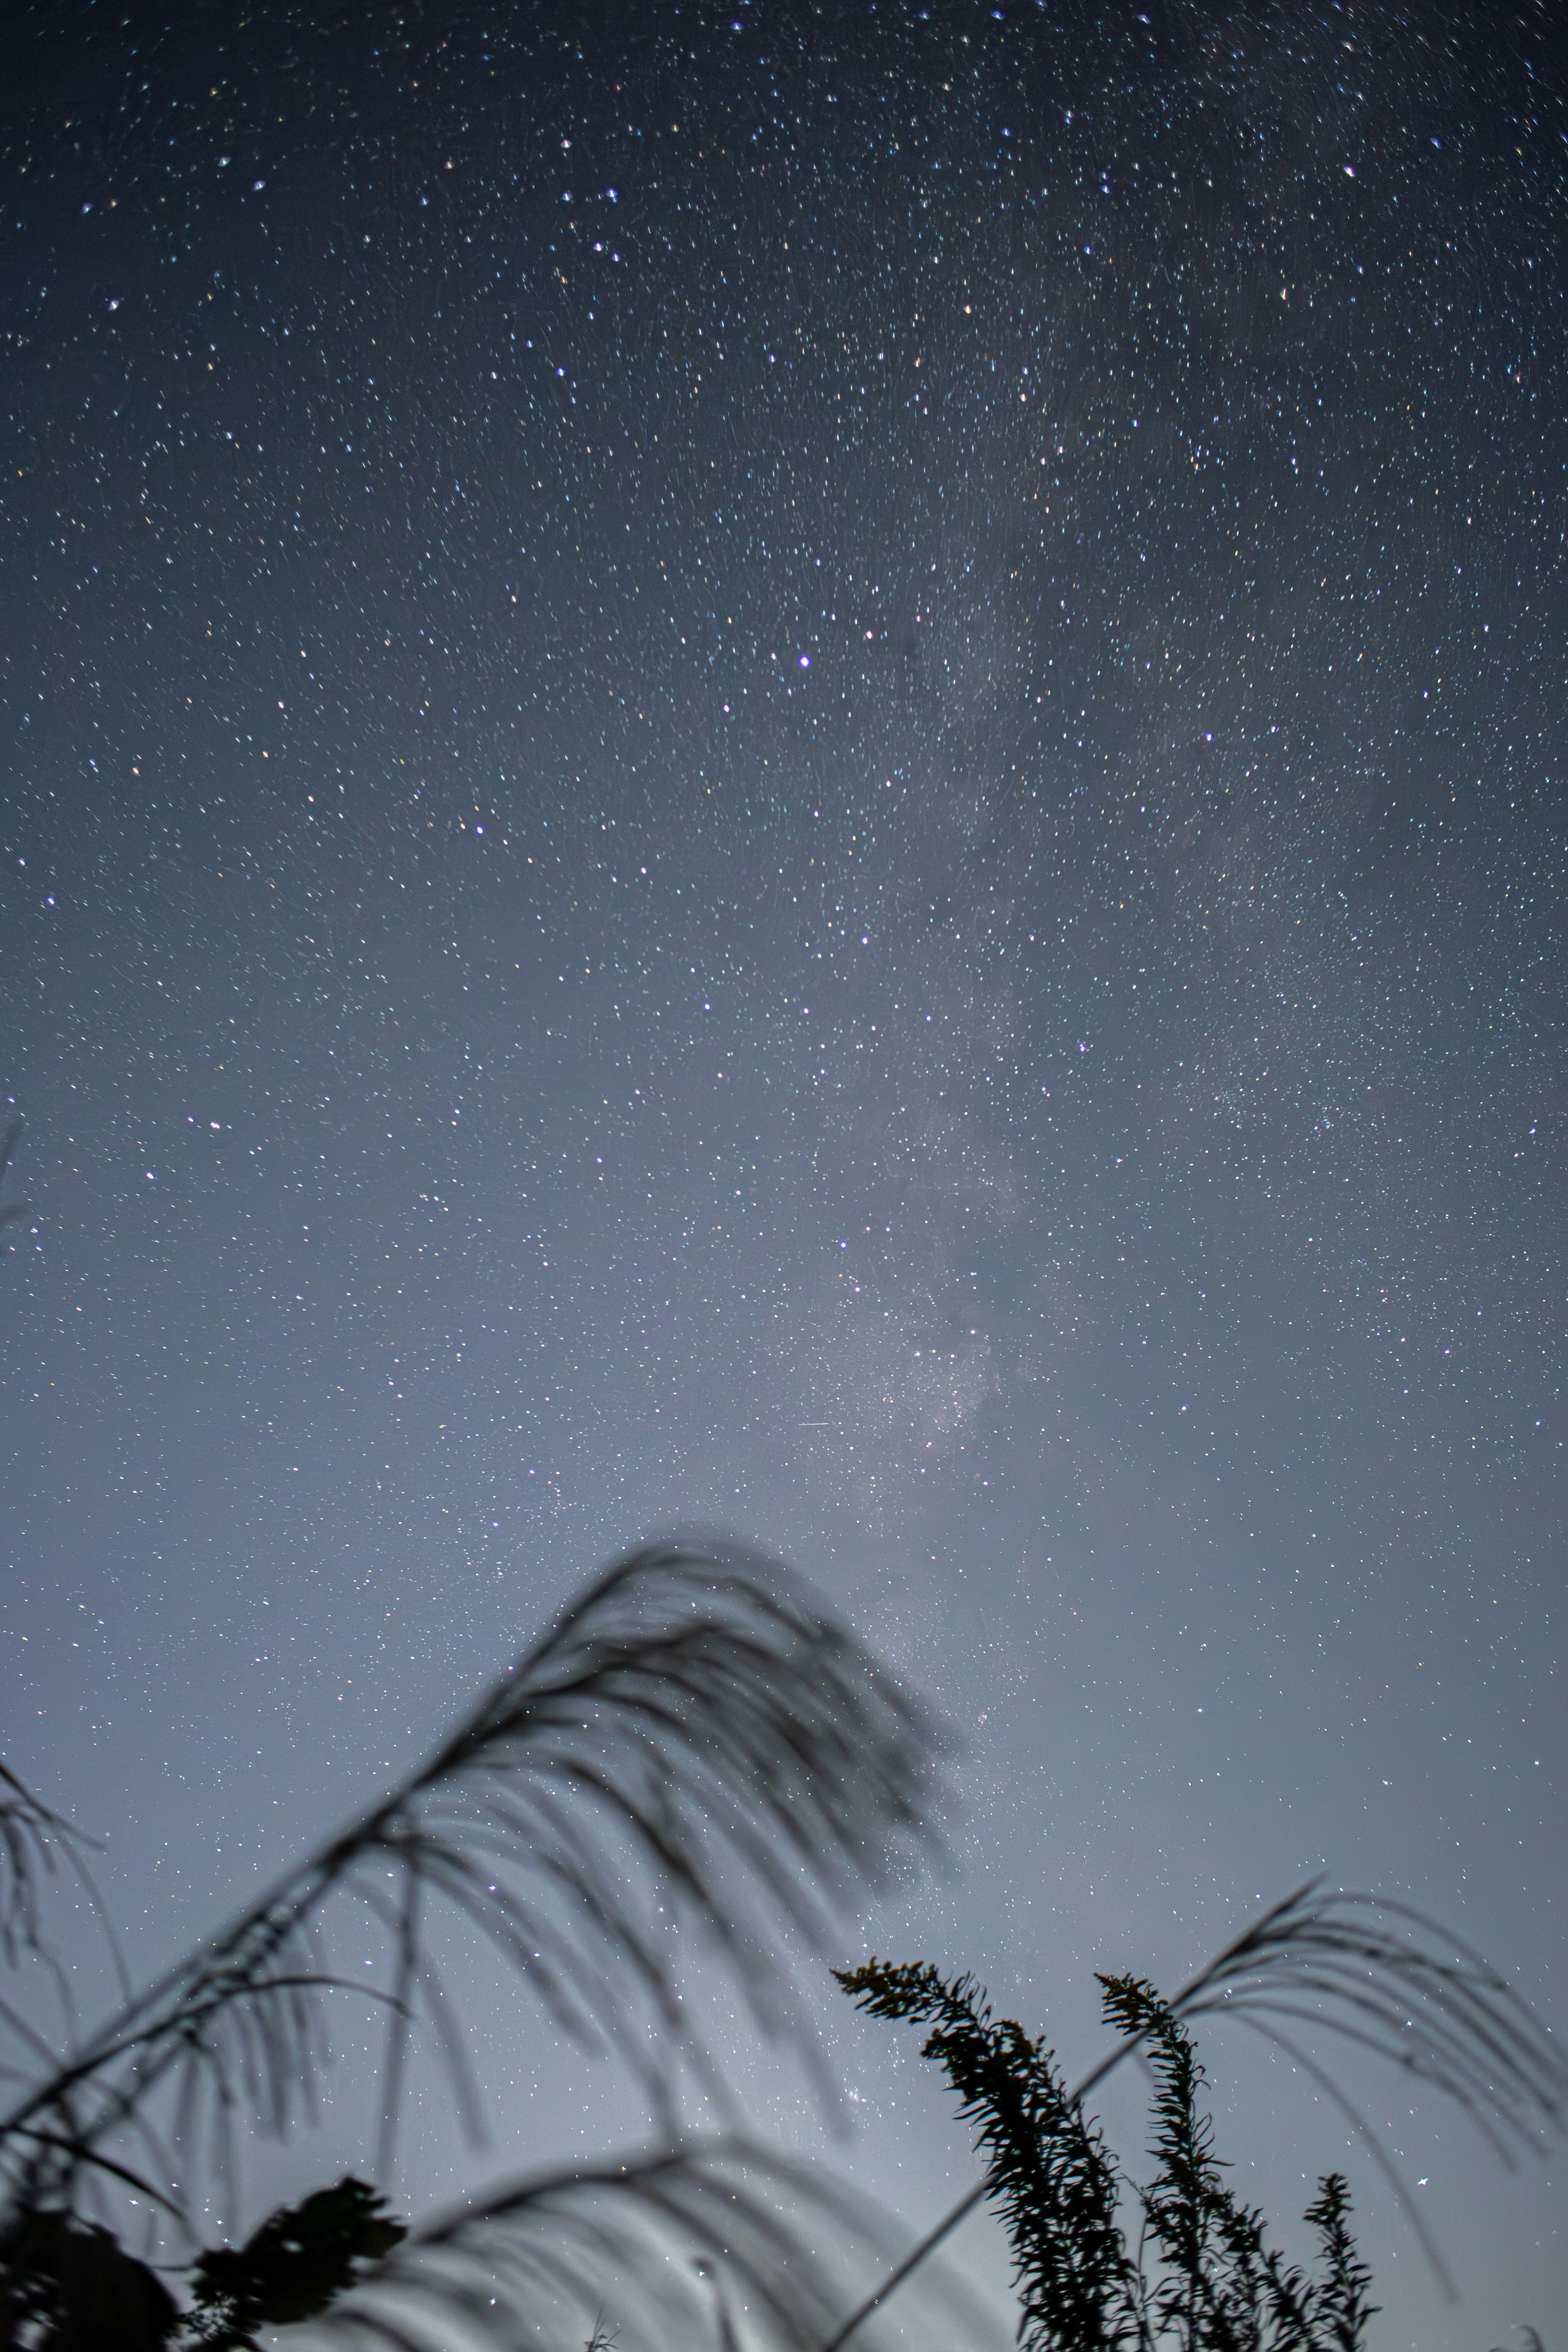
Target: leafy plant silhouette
point(65, 2283)
point(300, 2260)
point(1202, 2276)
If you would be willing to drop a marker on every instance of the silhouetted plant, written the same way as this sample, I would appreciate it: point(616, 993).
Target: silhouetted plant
point(67, 2286)
point(1202, 2276)
point(301, 2259)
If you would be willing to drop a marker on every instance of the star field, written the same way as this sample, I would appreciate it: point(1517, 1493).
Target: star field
point(803, 767)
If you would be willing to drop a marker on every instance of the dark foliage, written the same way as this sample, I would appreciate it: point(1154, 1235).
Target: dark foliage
point(1202, 2277)
point(1344, 2309)
point(1049, 2172)
point(300, 2260)
point(68, 2286)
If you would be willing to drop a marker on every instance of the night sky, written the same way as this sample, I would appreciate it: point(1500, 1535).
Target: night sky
point(802, 767)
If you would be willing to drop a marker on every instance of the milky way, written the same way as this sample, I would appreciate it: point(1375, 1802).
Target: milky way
point(802, 767)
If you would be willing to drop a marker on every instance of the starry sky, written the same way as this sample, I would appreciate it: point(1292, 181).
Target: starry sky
point(800, 766)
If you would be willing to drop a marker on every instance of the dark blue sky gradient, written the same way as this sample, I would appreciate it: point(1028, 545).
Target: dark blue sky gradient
point(803, 767)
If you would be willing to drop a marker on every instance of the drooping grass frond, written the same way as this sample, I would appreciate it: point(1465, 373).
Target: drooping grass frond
point(1397, 1984)
point(717, 2244)
point(29, 1833)
point(694, 1742)
point(16, 1210)
point(35, 1840)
